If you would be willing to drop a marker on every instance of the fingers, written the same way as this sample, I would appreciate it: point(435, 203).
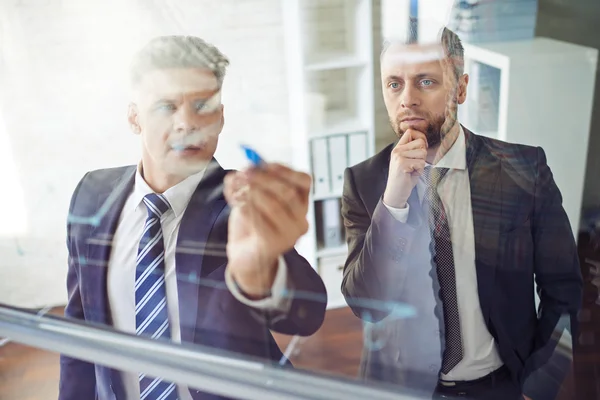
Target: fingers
point(280, 217)
point(412, 135)
point(273, 219)
point(406, 137)
point(277, 193)
point(410, 166)
point(410, 157)
point(257, 218)
point(300, 180)
point(235, 188)
point(420, 137)
point(419, 154)
point(415, 144)
point(267, 187)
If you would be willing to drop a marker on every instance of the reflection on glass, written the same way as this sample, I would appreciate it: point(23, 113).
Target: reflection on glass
point(419, 266)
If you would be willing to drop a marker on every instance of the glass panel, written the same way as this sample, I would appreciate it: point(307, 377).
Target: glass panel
point(262, 194)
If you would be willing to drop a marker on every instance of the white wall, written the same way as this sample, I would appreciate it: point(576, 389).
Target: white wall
point(63, 72)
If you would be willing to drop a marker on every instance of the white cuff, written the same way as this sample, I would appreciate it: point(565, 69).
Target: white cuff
point(280, 298)
point(399, 214)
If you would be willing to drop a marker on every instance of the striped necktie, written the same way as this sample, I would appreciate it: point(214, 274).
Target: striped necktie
point(151, 315)
point(444, 261)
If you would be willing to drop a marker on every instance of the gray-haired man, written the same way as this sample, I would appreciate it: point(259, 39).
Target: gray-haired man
point(157, 261)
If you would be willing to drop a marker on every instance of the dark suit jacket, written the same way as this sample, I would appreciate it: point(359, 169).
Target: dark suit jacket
point(521, 232)
point(209, 315)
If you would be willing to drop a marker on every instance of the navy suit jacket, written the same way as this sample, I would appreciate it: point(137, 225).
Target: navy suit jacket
point(521, 233)
point(209, 315)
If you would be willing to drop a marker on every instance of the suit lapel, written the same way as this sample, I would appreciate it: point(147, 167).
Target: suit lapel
point(198, 253)
point(99, 244)
point(486, 201)
point(191, 259)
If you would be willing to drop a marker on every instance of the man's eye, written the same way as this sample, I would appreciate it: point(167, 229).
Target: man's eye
point(394, 85)
point(200, 106)
point(166, 107)
point(427, 82)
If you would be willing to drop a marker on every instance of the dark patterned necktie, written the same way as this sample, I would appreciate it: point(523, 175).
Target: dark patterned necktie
point(443, 258)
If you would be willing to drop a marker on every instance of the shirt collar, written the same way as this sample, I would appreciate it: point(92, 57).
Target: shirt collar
point(178, 196)
point(456, 157)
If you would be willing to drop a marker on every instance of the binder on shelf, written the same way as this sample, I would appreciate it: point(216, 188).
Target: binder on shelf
point(320, 167)
point(357, 148)
point(332, 223)
point(338, 161)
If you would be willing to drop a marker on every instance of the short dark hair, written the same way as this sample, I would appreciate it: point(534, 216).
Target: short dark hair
point(178, 52)
point(451, 43)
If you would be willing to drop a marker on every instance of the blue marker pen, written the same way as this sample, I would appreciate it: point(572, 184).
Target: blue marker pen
point(252, 156)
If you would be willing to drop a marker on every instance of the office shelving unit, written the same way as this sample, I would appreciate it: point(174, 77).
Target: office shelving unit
point(537, 92)
point(329, 45)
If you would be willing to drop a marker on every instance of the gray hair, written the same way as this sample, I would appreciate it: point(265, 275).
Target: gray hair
point(451, 43)
point(178, 52)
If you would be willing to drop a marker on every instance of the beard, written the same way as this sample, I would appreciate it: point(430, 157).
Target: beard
point(438, 126)
point(435, 131)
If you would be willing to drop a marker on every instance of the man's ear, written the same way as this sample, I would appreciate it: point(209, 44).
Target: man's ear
point(132, 117)
point(463, 82)
point(222, 118)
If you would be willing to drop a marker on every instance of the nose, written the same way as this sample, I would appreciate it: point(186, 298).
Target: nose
point(410, 97)
point(186, 119)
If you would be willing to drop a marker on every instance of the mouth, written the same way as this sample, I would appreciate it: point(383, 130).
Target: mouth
point(412, 119)
point(413, 123)
point(187, 147)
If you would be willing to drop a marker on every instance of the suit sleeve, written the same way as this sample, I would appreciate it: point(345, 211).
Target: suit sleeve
point(77, 378)
point(377, 250)
point(308, 297)
point(559, 284)
point(278, 298)
point(298, 300)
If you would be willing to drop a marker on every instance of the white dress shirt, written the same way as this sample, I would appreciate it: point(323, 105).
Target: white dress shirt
point(480, 354)
point(122, 266)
